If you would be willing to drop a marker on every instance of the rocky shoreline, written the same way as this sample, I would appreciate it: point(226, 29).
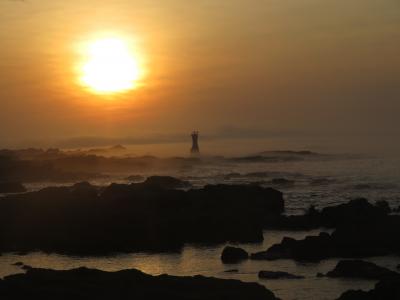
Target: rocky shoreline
point(162, 214)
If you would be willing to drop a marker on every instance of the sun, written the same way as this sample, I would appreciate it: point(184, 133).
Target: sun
point(110, 66)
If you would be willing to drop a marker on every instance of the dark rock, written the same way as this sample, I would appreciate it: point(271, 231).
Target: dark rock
point(355, 211)
point(278, 275)
point(361, 269)
point(320, 275)
point(363, 238)
point(362, 230)
point(19, 264)
point(166, 182)
point(233, 255)
point(26, 267)
point(137, 217)
point(358, 211)
point(357, 295)
point(312, 248)
point(12, 187)
point(85, 283)
point(388, 289)
point(384, 205)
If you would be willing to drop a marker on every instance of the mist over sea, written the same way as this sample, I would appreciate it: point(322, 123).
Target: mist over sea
point(319, 172)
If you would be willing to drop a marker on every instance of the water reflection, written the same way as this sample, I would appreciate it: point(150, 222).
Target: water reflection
point(203, 260)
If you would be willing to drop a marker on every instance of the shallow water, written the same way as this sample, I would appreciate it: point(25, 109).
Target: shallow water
point(205, 260)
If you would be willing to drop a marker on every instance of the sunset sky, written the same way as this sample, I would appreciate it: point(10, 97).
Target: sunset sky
point(229, 68)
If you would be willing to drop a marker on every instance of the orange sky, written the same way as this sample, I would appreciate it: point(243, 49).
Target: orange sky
point(224, 67)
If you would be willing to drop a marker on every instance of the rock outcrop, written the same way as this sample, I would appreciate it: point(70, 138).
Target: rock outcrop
point(361, 269)
point(362, 230)
point(85, 284)
point(231, 255)
point(84, 219)
point(388, 289)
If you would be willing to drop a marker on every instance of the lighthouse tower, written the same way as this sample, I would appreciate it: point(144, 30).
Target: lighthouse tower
point(195, 143)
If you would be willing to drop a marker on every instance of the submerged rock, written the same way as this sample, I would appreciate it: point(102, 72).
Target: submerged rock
point(233, 255)
point(361, 269)
point(86, 283)
point(278, 275)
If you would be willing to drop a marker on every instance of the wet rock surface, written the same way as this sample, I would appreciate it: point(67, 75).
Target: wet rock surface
point(86, 283)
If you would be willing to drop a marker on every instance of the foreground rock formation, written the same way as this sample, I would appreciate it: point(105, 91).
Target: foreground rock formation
point(361, 269)
point(232, 255)
point(148, 216)
point(362, 230)
point(388, 289)
point(85, 284)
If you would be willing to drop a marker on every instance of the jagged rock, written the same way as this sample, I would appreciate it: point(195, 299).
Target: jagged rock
point(361, 269)
point(86, 283)
point(233, 255)
point(278, 275)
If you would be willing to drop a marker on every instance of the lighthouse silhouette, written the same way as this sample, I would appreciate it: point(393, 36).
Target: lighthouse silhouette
point(195, 143)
